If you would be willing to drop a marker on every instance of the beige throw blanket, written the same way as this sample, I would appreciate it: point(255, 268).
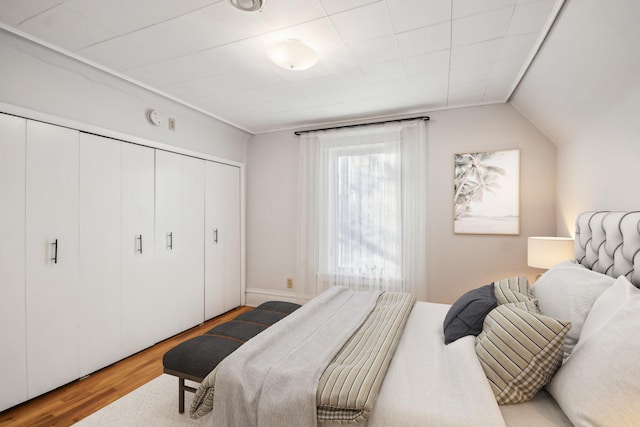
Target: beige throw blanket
point(349, 386)
point(272, 380)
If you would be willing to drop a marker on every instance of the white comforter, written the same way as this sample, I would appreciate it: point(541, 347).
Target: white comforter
point(272, 380)
point(430, 384)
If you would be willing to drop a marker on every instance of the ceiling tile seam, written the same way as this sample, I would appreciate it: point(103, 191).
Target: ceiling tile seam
point(431, 52)
point(492, 39)
point(513, 12)
point(333, 24)
point(492, 74)
point(146, 27)
point(116, 74)
point(40, 13)
point(544, 33)
point(352, 8)
point(424, 26)
point(529, 2)
point(97, 24)
point(484, 11)
point(323, 8)
point(397, 45)
point(403, 57)
point(486, 87)
point(490, 78)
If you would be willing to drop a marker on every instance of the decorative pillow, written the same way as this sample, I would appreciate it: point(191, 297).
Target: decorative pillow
point(567, 291)
point(525, 305)
point(519, 352)
point(516, 284)
point(466, 315)
point(598, 384)
point(513, 289)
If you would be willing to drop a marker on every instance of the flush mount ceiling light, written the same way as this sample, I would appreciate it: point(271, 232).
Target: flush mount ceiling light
point(248, 5)
point(292, 54)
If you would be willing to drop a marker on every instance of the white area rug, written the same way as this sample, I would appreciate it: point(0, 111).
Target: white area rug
point(154, 404)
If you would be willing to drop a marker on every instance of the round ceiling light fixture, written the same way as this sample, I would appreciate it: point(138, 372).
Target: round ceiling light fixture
point(248, 5)
point(292, 54)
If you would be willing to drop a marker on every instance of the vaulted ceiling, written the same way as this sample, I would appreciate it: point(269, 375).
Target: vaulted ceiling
point(587, 74)
point(377, 57)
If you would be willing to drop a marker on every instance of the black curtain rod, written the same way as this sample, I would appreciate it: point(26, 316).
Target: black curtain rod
point(425, 118)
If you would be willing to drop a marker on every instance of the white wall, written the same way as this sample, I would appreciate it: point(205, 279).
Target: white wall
point(583, 90)
point(456, 263)
point(272, 179)
point(39, 79)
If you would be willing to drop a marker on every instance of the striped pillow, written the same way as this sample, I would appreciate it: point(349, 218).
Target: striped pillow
point(519, 351)
point(529, 305)
point(514, 289)
point(517, 284)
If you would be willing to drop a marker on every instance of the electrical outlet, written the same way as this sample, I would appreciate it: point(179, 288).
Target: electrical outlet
point(289, 283)
point(172, 123)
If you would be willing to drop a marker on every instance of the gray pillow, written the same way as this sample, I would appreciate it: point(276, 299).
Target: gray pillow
point(466, 315)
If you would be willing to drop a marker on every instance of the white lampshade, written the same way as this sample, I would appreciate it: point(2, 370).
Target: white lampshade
point(292, 55)
point(545, 252)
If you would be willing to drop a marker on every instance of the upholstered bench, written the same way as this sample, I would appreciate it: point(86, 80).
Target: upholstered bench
point(195, 358)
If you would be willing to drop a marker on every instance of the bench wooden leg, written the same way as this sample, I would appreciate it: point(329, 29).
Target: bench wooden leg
point(182, 387)
point(181, 395)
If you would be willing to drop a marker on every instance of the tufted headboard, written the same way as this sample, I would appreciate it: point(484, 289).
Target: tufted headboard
point(609, 242)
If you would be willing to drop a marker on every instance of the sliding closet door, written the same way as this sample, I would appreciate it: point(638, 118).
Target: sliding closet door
point(222, 239)
point(13, 348)
point(179, 242)
point(51, 256)
point(99, 296)
point(139, 294)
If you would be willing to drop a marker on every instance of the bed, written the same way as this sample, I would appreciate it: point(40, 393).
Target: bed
point(517, 355)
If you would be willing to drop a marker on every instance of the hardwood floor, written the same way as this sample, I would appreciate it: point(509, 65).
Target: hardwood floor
point(75, 401)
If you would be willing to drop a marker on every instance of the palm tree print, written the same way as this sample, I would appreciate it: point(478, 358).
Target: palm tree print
point(474, 176)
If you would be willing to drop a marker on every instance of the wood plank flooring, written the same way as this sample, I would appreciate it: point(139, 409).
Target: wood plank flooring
point(79, 399)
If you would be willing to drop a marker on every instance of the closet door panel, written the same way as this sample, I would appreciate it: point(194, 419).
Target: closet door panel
point(139, 295)
point(99, 297)
point(13, 346)
point(51, 256)
point(179, 242)
point(231, 238)
point(222, 239)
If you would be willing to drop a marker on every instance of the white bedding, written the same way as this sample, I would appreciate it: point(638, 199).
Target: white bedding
point(272, 380)
point(444, 386)
point(430, 384)
point(541, 411)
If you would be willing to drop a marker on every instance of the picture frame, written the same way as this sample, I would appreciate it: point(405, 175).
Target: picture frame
point(486, 198)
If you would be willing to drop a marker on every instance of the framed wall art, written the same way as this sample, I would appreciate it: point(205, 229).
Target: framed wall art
point(487, 192)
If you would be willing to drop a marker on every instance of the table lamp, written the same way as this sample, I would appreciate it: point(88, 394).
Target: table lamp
point(545, 252)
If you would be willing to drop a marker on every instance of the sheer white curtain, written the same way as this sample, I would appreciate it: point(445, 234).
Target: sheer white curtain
point(362, 209)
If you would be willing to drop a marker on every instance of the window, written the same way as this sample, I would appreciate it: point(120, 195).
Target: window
point(363, 206)
point(362, 209)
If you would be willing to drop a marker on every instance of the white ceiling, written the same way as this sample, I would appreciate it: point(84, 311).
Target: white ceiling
point(377, 57)
point(586, 78)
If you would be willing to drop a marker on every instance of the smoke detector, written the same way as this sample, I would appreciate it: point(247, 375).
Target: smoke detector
point(248, 5)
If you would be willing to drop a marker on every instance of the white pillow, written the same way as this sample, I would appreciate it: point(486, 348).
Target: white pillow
point(599, 384)
point(566, 292)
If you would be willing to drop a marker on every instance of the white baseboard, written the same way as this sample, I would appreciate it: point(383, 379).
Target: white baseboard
point(256, 296)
